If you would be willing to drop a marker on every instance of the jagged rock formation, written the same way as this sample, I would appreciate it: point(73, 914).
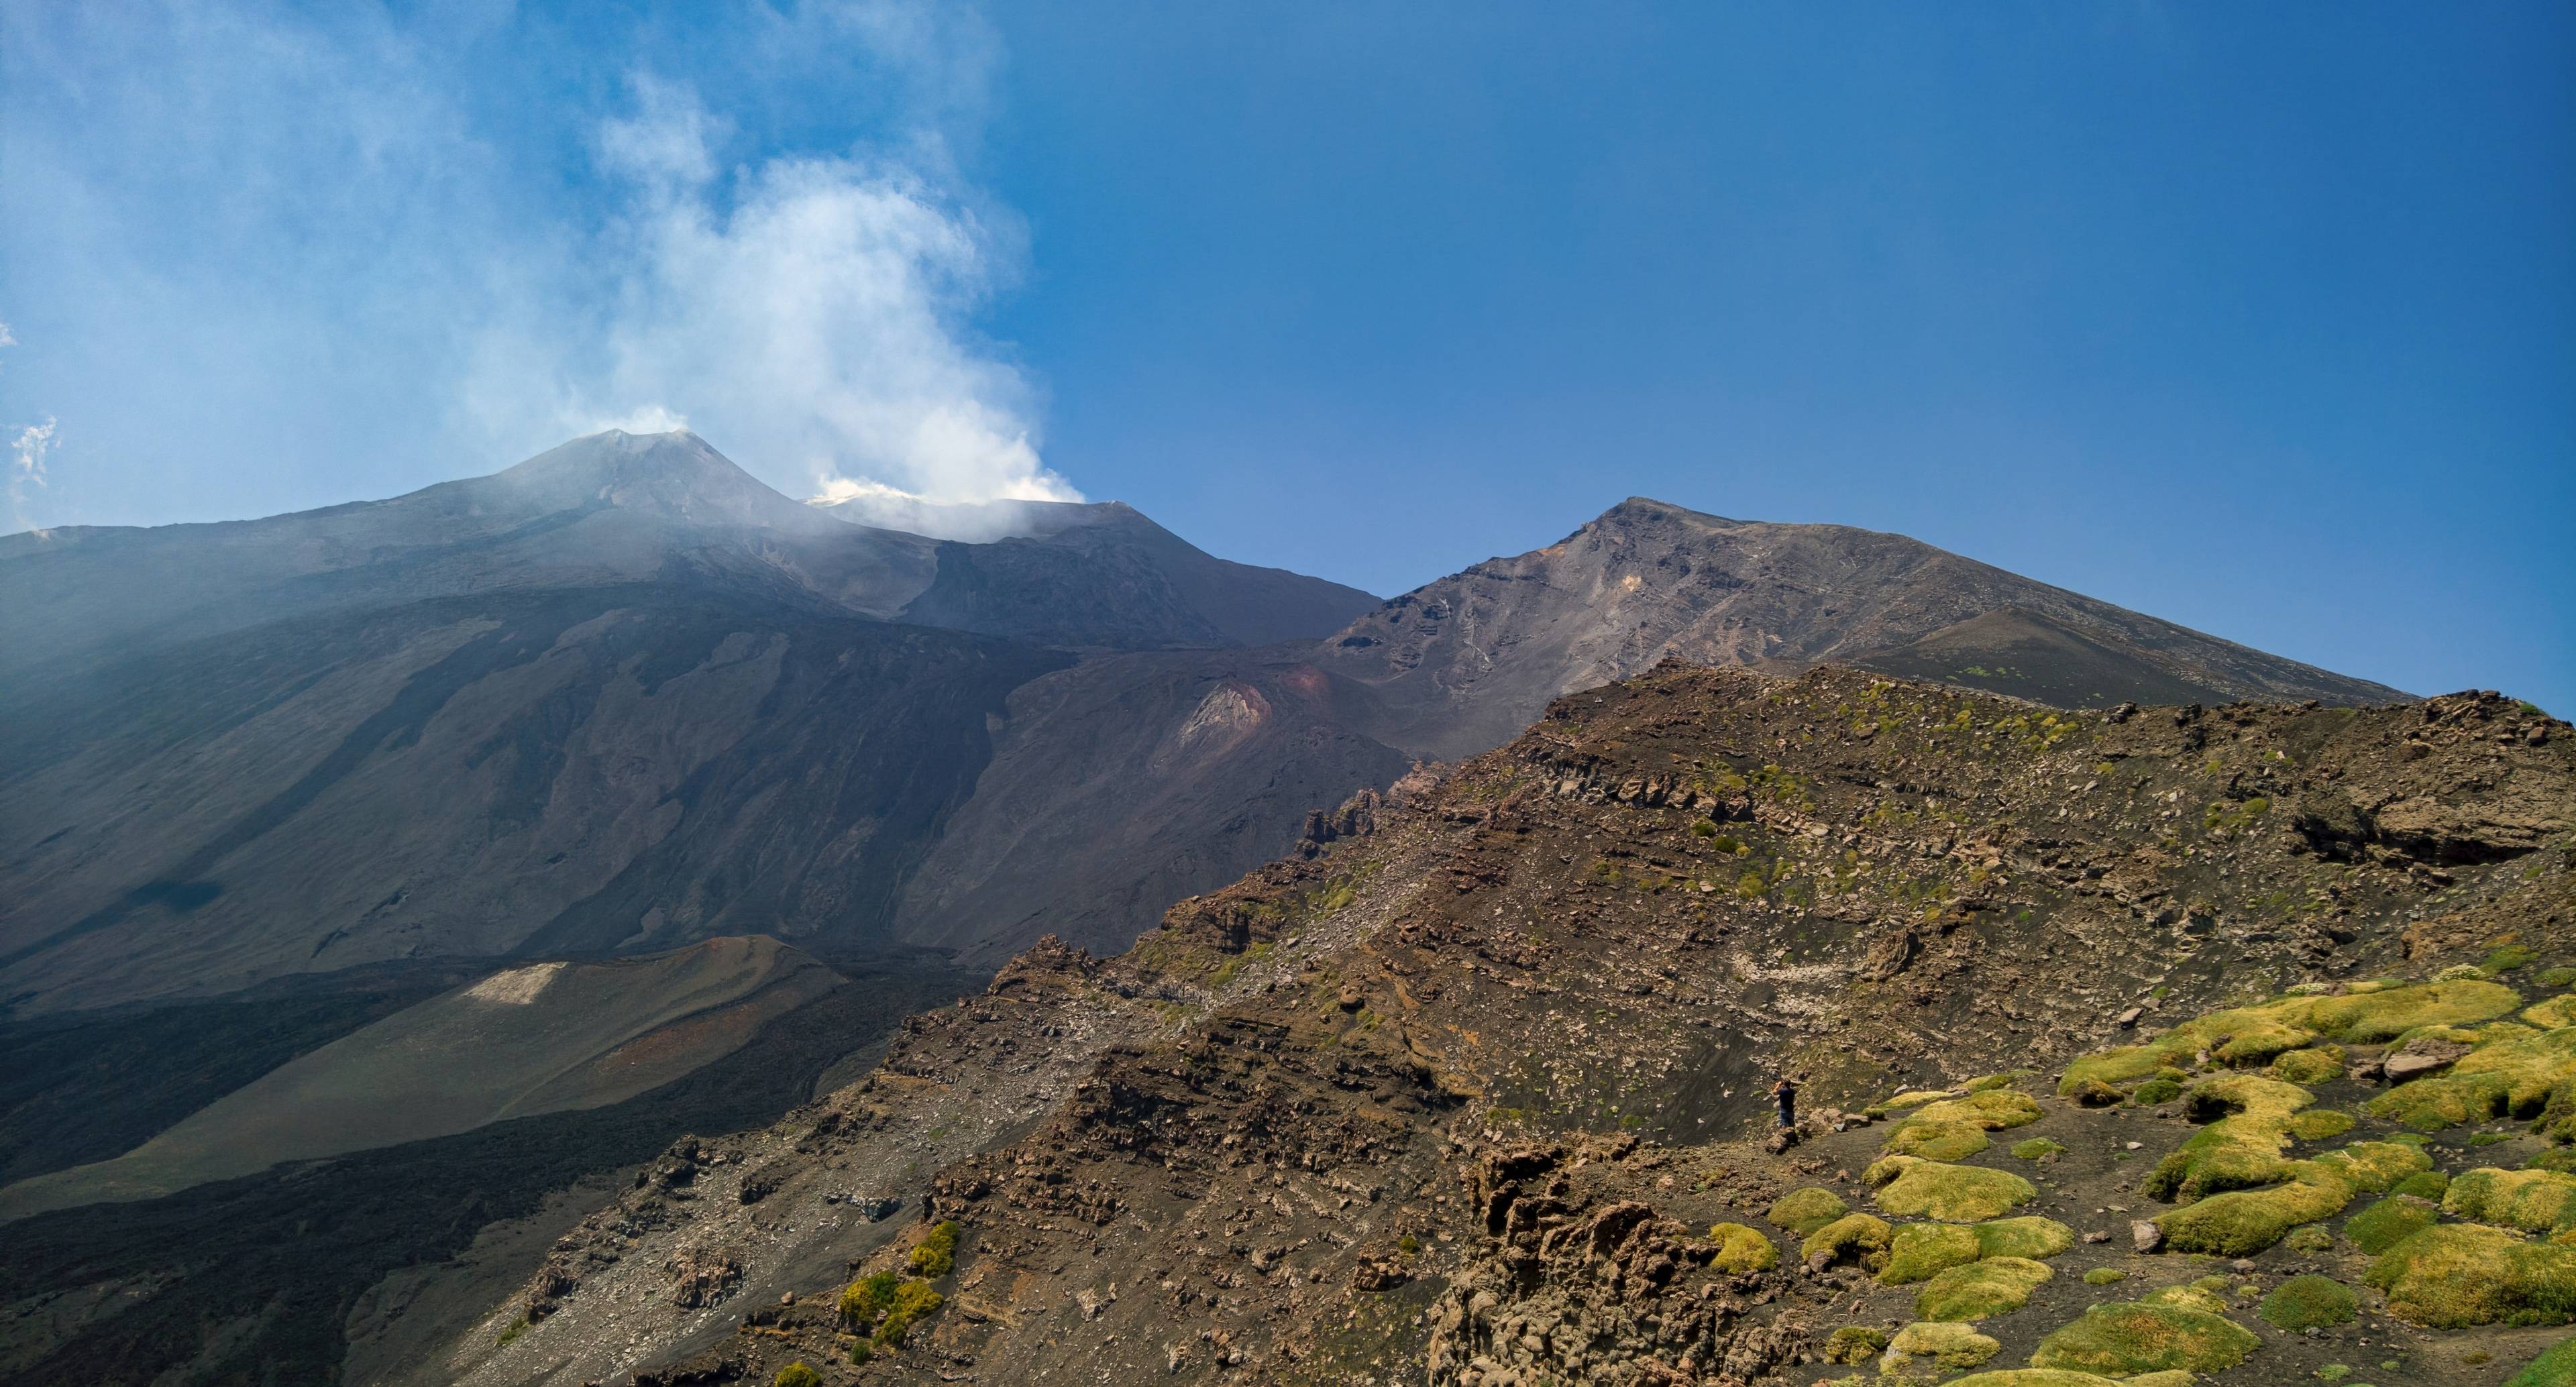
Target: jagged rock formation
point(1455, 1099)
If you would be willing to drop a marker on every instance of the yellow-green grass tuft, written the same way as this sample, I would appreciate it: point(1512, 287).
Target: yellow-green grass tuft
point(2555, 1367)
point(1953, 1128)
point(1856, 1238)
point(2531, 1076)
point(2309, 1302)
point(2319, 1124)
point(1947, 1345)
point(2366, 1018)
point(2163, 1333)
point(936, 1254)
point(868, 1297)
point(2535, 1201)
point(1910, 1187)
point(2241, 1223)
point(2552, 1014)
point(1742, 1250)
point(2267, 1029)
point(1980, 1290)
point(2027, 1236)
point(2037, 1149)
point(1804, 1211)
point(2373, 1167)
point(2389, 1222)
point(2424, 1184)
point(2241, 1149)
point(1922, 1250)
point(1854, 1343)
point(2154, 1091)
point(1919, 1251)
point(2321, 1064)
point(2260, 1042)
point(2453, 1275)
point(1941, 1142)
point(2062, 1377)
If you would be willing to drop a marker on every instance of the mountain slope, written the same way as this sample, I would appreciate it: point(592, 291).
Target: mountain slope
point(1120, 785)
point(620, 696)
point(1463, 663)
point(1106, 575)
point(1459, 1099)
point(549, 1037)
point(556, 770)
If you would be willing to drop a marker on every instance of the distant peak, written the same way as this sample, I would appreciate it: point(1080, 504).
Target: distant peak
point(675, 472)
point(1648, 508)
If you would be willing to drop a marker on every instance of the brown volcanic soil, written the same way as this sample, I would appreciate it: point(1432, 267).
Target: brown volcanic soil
point(1457, 1096)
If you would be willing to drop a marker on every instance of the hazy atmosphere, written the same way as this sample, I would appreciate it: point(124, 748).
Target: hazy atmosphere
point(2182, 307)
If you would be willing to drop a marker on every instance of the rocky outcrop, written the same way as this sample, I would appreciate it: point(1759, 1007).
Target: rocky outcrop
point(1590, 1289)
point(1468, 1090)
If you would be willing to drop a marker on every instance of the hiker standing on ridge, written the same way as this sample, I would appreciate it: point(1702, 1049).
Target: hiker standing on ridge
point(1785, 1093)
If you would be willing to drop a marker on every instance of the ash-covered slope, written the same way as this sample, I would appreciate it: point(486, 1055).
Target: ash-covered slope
point(1463, 663)
point(1106, 575)
point(618, 697)
point(1456, 1100)
point(549, 771)
point(1119, 786)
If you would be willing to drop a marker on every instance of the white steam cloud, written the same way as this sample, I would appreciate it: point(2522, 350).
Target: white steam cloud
point(810, 313)
point(300, 255)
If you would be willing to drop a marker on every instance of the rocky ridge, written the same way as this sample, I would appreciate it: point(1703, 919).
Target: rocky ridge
point(1463, 663)
point(1457, 1098)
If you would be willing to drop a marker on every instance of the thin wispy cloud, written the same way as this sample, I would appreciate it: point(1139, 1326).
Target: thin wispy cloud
point(26, 457)
point(27, 469)
point(319, 244)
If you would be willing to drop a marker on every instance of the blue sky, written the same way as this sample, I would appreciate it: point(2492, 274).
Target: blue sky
point(2259, 319)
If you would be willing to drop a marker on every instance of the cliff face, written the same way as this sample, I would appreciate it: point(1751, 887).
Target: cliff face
point(1457, 1098)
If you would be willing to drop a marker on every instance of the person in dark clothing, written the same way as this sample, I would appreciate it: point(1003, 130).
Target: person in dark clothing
point(1785, 1093)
